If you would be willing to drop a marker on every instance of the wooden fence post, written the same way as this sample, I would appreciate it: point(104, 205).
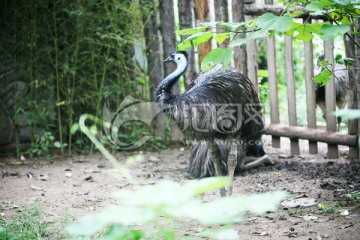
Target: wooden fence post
point(330, 100)
point(310, 93)
point(290, 82)
point(273, 87)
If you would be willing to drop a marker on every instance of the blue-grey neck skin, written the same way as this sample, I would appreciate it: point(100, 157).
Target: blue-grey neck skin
point(166, 84)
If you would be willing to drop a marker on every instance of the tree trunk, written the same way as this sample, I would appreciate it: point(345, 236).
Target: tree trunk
point(222, 14)
point(169, 45)
point(201, 8)
point(155, 66)
point(240, 57)
point(168, 34)
point(186, 19)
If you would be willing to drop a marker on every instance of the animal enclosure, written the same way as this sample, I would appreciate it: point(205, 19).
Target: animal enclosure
point(293, 131)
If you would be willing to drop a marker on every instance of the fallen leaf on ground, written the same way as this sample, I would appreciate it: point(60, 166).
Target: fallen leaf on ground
point(90, 170)
point(33, 187)
point(344, 212)
point(16, 163)
point(89, 179)
point(154, 159)
point(347, 226)
point(299, 202)
point(310, 217)
point(43, 177)
point(261, 233)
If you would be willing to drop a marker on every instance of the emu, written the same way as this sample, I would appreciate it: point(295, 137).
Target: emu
point(341, 83)
point(219, 107)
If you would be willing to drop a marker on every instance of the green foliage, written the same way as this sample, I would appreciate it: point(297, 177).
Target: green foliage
point(70, 54)
point(353, 196)
point(348, 113)
point(341, 13)
point(173, 202)
point(323, 77)
point(43, 146)
point(215, 57)
point(27, 224)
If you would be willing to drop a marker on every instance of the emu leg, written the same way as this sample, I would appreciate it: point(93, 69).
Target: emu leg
point(232, 161)
point(215, 156)
point(338, 123)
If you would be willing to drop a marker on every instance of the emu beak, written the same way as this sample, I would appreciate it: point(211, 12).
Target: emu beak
point(169, 59)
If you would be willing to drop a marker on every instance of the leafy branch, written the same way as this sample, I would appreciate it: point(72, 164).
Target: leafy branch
point(342, 13)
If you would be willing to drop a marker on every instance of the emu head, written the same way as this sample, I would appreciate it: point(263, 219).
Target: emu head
point(179, 58)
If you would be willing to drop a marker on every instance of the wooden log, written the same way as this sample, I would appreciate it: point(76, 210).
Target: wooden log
point(315, 135)
point(273, 87)
point(330, 100)
point(291, 94)
point(310, 92)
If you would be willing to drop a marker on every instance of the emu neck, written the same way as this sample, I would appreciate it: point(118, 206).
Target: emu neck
point(168, 82)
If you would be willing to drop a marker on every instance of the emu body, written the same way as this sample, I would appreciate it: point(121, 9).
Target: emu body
point(220, 107)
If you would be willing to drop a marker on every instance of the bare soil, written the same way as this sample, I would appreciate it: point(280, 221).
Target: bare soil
point(78, 185)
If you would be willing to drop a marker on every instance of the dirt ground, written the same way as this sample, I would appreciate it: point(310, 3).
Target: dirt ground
point(78, 185)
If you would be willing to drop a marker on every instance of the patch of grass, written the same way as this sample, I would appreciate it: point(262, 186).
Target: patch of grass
point(333, 209)
point(27, 224)
point(353, 197)
point(30, 223)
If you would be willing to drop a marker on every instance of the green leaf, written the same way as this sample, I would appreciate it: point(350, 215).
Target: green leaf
point(315, 8)
point(57, 144)
point(207, 184)
point(323, 77)
point(186, 44)
point(269, 22)
point(349, 62)
point(203, 38)
point(231, 27)
point(74, 128)
point(194, 36)
point(329, 32)
point(189, 31)
point(237, 42)
point(221, 37)
point(296, 13)
point(303, 32)
point(215, 57)
point(348, 113)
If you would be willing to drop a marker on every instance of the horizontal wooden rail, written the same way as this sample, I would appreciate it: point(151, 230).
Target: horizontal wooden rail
point(311, 134)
